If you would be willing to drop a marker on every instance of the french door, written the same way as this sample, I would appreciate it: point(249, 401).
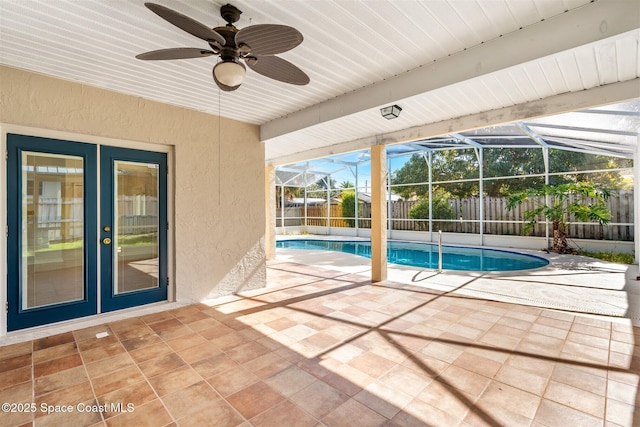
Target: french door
point(81, 242)
point(133, 227)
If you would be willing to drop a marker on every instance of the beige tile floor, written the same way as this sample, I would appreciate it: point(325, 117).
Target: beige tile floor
point(322, 347)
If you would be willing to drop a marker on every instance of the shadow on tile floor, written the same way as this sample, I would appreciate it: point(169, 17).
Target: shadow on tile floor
point(326, 348)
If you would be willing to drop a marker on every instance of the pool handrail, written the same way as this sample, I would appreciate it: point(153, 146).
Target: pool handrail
point(439, 251)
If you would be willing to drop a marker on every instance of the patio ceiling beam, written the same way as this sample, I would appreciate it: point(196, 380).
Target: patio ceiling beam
point(565, 102)
point(572, 29)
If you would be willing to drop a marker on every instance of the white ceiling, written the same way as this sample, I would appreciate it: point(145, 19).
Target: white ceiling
point(442, 61)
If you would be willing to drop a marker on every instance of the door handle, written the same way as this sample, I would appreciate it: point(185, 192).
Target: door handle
point(106, 241)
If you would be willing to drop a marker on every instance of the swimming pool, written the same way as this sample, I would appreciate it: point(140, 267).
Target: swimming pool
point(425, 255)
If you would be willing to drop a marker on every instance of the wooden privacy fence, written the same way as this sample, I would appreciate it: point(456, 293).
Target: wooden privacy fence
point(317, 216)
point(465, 218)
point(63, 219)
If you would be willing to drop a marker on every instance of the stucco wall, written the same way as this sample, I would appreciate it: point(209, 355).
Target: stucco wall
point(218, 176)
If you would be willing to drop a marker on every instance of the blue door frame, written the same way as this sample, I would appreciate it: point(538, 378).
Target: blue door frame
point(19, 317)
point(110, 300)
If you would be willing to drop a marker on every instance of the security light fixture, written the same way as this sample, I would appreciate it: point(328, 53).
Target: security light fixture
point(390, 112)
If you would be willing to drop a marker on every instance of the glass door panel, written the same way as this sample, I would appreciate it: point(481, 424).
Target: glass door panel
point(51, 216)
point(135, 232)
point(133, 215)
point(53, 229)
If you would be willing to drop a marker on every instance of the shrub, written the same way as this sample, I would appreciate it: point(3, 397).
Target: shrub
point(620, 258)
point(348, 205)
point(441, 210)
point(558, 203)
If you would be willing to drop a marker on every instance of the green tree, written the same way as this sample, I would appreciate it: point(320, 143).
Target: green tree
point(501, 162)
point(557, 203)
point(326, 181)
point(440, 208)
point(324, 184)
point(290, 193)
point(455, 165)
point(415, 170)
point(573, 163)
point(447, 165)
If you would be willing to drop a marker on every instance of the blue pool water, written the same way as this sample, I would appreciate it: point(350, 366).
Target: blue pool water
point(425, 255)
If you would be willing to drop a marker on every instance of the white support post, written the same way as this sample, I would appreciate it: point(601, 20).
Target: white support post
point(328, 204)
point(439, 251)
point(545, 157)
point(636, 202)
point(305, 201)
point(480, 154)
point(270, 212)
point(389, 201)
point(429, 164)
point(356, 202)
point(282, 206)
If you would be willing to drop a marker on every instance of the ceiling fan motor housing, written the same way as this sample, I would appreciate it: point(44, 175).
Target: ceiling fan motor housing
point(230, 13)
point(229, 51)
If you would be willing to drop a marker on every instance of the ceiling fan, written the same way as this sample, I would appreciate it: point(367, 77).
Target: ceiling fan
point(256, 45)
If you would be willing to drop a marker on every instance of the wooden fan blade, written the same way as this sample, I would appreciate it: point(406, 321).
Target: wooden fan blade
point(175, 53)
point(277, 68)
point(185, 23)
point(269, 39)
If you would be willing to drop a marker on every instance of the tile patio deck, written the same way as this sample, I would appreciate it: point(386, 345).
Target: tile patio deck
point(322, 347)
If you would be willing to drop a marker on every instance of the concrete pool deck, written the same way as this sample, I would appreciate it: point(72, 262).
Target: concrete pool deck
point(571, 283)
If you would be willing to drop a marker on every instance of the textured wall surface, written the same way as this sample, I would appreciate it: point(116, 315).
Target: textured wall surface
point(218, 172)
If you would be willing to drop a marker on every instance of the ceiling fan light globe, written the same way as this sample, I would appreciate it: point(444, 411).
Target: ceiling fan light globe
point(230, 73)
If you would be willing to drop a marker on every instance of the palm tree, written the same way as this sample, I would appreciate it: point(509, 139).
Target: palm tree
point(557, 203)
point(347, 184)
point(290, 193)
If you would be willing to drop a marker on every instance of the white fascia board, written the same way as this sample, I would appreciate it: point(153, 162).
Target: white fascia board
point(557, 104)
point(572, 29)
